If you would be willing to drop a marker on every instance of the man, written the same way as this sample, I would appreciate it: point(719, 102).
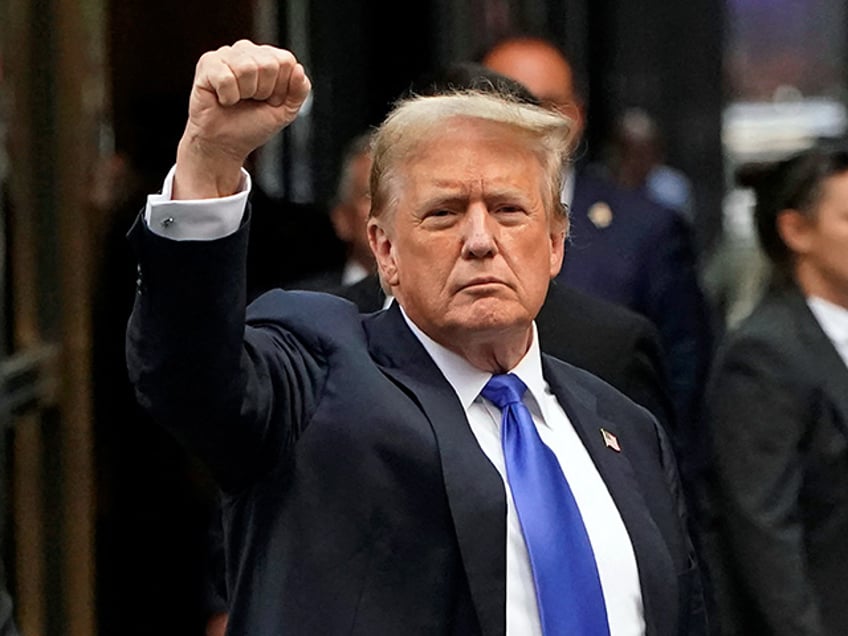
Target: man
point(623, 247)
point(636, 160)
point(290, 242)
point(365, 487)
point(349, 216)
point(608, 340)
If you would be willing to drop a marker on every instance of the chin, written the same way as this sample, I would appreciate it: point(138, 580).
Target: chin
point(490, 315)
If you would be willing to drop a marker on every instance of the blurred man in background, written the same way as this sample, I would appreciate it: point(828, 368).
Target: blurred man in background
point(636, 160)
point(623, 247)
point(349, 216)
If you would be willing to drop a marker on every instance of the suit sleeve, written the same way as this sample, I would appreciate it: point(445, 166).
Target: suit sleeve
point(236, 396)
point(758, 422)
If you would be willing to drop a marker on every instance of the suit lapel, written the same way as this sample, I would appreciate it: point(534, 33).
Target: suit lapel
point(829, 365)
point(473, 486)
point(656, 569)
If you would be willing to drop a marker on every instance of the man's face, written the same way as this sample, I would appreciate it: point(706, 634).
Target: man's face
point(470, 248)
point(350, 216)
point(821, 242)
point(542, 71)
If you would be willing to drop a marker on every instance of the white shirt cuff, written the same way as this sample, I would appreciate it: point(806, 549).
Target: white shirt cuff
point(195, 220)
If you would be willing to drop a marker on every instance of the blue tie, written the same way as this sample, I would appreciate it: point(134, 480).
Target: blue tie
point(568, 588)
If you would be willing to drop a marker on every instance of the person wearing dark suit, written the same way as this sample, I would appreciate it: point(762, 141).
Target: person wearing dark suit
point(349, 214)
point(365, 486)
point(623, 247)
point(290, 241)
point(778, 414)
point(628, 250)
point(618, 345)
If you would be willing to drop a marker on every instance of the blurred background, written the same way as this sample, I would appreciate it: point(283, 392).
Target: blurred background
point(104, 518)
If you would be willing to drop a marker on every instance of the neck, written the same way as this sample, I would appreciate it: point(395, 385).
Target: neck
point(495, 353)
point(813, 282)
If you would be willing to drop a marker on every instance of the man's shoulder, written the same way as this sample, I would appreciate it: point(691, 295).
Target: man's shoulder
point(592, 332)
point(313, 316)
point(772, 335)
point(565, 301)
point(627, 206)
point(592, 404)
point(589, 390)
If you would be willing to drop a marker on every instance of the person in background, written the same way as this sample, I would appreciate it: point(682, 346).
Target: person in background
point(366, 486)
point(778, 415)
point(290, 241)
point(349, 216)
point(636, 160)
point(625, 248)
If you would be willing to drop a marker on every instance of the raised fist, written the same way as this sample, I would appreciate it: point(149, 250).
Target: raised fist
point(242, 96)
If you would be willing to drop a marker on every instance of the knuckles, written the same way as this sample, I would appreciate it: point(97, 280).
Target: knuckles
point(246, 70)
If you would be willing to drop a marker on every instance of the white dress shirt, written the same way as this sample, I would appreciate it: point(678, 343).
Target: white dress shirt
point(566, 195)
point(215, 218)
point(833, 320)
point(353, 272)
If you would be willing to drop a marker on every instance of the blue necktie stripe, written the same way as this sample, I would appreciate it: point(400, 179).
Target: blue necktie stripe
point(568, 587)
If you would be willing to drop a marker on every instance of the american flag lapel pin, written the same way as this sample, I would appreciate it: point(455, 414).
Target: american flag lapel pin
point(610, 440)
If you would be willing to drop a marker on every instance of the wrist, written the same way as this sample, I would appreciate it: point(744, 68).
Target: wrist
point(204, 171)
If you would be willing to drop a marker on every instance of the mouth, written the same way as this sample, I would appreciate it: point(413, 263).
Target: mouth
point(482, 283)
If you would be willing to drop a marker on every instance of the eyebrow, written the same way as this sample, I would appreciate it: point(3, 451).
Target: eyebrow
point(445, 199)
point(452, 190)
point(451, 199)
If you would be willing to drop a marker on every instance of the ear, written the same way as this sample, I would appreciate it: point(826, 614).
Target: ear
point(381, 242)
point(576, 112)
point(794, 228)
point(342, 225)
point(559, 230)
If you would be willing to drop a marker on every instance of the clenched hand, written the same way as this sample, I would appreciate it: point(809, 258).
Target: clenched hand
point(242, 96)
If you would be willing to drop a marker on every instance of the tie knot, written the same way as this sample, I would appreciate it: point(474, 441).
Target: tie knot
point(505, 389)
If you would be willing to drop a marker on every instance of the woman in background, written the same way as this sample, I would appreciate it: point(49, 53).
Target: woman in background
point(778, 413)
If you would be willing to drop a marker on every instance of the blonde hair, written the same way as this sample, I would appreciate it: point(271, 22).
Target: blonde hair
point(549, 135)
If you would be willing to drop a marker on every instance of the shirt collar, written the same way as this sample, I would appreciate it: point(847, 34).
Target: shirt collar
point(566, 195)
point(352, 273)
point(833, 319)
point(467, 380)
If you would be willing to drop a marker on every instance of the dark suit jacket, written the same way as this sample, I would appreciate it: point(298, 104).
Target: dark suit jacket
point(357, 498)
point(778, 407)
point(643, 259)
point(615, 344)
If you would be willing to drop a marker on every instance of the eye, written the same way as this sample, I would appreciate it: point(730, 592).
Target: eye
point(437, 218)
point(439, 215)
point(509, 209)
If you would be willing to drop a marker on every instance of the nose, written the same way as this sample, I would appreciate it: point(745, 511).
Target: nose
point(479, 232)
